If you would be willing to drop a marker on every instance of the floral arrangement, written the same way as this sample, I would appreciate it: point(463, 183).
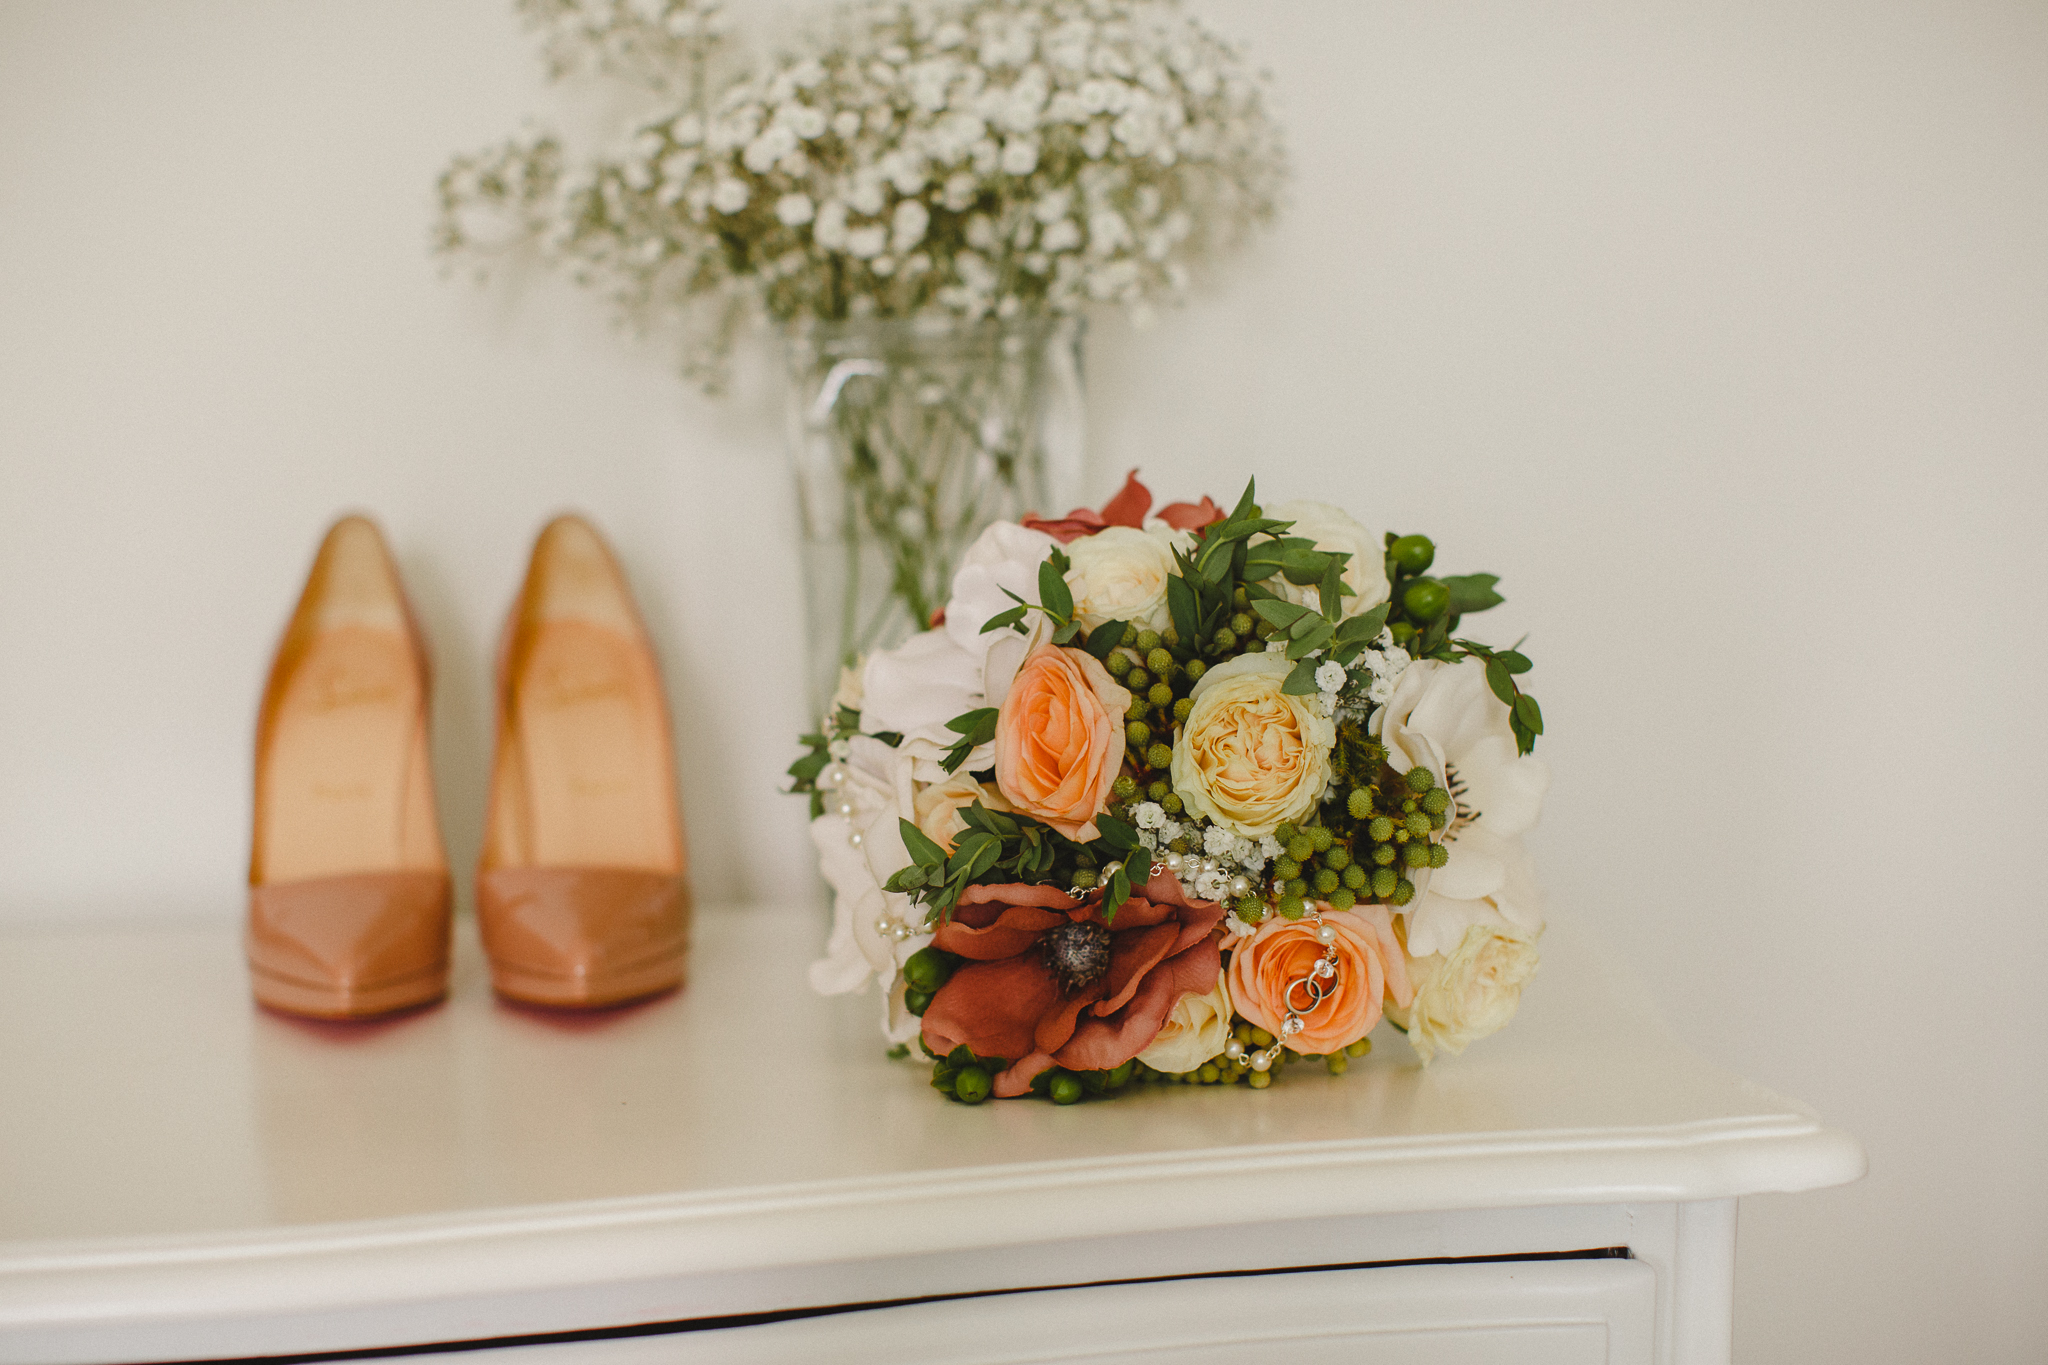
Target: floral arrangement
point(1183, 797)
point(971, 158)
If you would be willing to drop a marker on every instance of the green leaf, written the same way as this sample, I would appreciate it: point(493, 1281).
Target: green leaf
point(1302, 681)
point(1304, 567)
point(1066, 633)
point(1314, 640)
point(1308, 623)
point(1115, 892)
point(1117, 836)
point(1529, 713)
point(1180, 601)
point(927, 851)
point(1515, 660)
point(906, 879)
point(1053, 593)
point(1003, 618)
point(1105, 638)
point(1331, 592)
point(978, 816)
point(1497, 678)
point(979, 725)
point(1365, 627)
point(1279, 611)
point(1472, 592)
point(807, 768)
point(1245, 504)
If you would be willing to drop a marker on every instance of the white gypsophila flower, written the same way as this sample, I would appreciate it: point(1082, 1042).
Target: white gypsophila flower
point(1329, 676)
point(1149, 815)
point(795, 209)
point(729, 196)
point(1219, 842)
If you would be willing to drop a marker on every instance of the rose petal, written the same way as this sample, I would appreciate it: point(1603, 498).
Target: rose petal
point(1103, 1044)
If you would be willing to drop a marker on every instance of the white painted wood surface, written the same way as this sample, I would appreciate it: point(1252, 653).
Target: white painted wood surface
point(181, 1170)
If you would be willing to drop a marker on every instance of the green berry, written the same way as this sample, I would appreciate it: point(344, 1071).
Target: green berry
point(1137, 734)
point(1120, 1076)
point(1243, 1033)
point(1160, 662)
point(1420, 779)
point(1159, 789)
point(1426, 599)
point(1355, 877)
point(972, 1085)
point(1415, 854)
point(1359, 803)
point(1325, 882)
point(916, 1001)
point(1336, 1064)
point(1337, 859)
point(1251, 909)
point(1085, 877)
point(927, 969)
point(1194, 669)
point(1119, 664)
point(1181, 846)
point(1404, 891)
point(1384, 854)
point(1342, 898)
point(1286, 833)
point(1418, 826)
point(1209, 1074)
point(1296, 888)
point(1065, 1087)
point(1159, 756)
point(1125, 787)
point(1160, 695)
point(1381, 829)
point(1147, 641)
point(1412, 554)
point(1321, 837)
point(1403, 632)
point(1384, 882)
point(1286, 869)
point(1169, 637)
point(1223, 640)
point(1241, 622)
point(1301, 848)
point(1359, 1048)
point(1258, 1080)
point(1172, 803)
point(1182, 707)
point(1138, 708)
point(1259, 1038)
point(1137, 680)
point(1438, 821)
point(1436, 800)
point(1408, 808)
point(1438, 855)
point(1290, 908)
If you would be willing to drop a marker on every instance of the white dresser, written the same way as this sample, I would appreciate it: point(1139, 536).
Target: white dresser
point(695, 1179)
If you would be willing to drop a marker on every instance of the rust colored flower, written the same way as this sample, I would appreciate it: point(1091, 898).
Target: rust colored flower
point(1039, 989)
point(1127, 508)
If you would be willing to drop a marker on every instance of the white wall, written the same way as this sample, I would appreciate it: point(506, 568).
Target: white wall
point(1721, 331)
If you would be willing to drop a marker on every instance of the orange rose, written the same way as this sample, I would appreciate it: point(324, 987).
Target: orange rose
point(1370, 968)
point(1060, 739)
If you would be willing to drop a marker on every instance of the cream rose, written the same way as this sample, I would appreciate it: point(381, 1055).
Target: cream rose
point(1250, 757)
point(1334, 530)
point(1119, 574)
point(1196, 1030)
point(1470, 992)
point(939, 805)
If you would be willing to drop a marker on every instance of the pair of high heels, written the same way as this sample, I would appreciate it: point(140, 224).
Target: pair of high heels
point(580, 893)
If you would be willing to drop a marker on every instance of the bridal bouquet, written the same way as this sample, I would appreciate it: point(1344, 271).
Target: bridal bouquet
point(1183, 797)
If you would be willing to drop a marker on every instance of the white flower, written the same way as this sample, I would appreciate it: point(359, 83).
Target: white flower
point(1120, 574)
point(1063, 235)
point(1468, 992)
point(1445, 718)
point(909, 224)
point(1020, 156)
point(877, 786)
point(1333, 529)
point(1003, 556)
point(848, 694)
point(1329, 676)
point(1148, 815)
point(865, 243)
point(794, 209)
point(729, 196)
point(915, 688)
point(829, 231)
point(1218, 842)
point(1196, 1030)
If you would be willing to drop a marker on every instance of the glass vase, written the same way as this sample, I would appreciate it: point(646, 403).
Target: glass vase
point(909, 436)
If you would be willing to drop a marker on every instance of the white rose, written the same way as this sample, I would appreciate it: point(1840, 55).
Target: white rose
point(1469, 992)
point(1119, 574)
point(1196, 1030)
point(1334, 530)
point(1445, 718)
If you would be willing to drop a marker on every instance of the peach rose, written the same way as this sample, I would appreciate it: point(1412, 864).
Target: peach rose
point(938, 807)
point(1060, 739)
point(1370, 970)
point(1250, 757)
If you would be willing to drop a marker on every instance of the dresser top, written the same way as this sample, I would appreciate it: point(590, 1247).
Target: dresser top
point(155, 1125)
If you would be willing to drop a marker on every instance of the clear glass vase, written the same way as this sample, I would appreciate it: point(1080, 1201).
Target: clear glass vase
point(909, 436)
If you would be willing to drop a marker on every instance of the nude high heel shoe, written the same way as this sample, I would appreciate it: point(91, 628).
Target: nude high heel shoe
point(348, 884)
point(580, 891)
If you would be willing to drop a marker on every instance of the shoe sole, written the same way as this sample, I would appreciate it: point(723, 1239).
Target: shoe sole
point(334, 1001)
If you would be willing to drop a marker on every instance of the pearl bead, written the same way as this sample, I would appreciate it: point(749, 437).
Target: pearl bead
point(1261, 1062)
point(856, 839)
point(835, 777)
point(1208, 866)
point(1326, 933)
point(1240, 887)
point(884, 925)
point(1173, 862)
point(844, 808)
point(1233, 1049)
